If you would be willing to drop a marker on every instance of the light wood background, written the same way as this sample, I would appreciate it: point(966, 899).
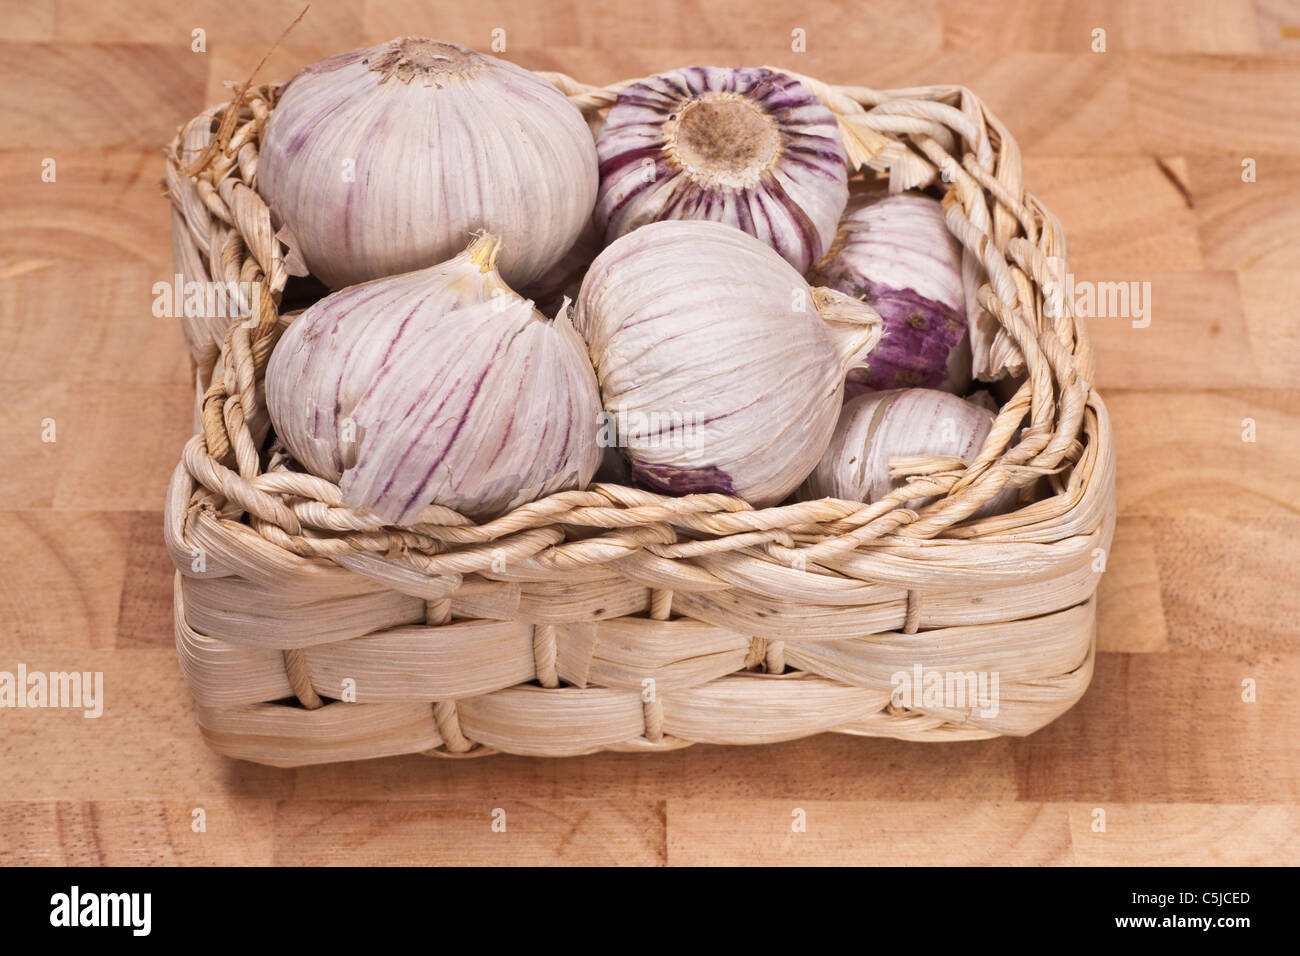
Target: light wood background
point(1138, 150)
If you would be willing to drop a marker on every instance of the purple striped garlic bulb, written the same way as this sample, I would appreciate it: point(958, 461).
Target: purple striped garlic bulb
point(720, 368)
point(898, 423)
point(440, 386)
point(749, 147)
point(382, 160)
point(895, 252)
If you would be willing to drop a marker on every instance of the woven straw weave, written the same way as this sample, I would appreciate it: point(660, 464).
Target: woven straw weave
point(618, 619)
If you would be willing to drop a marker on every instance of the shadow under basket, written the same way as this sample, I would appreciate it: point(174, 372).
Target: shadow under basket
point(618, 619)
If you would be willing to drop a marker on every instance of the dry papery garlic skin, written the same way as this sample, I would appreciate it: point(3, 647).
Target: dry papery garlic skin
point(900, 423)
point(440, 386)
point(385, 159)
point(711, 357)
point(749, 147)
point(895, 253)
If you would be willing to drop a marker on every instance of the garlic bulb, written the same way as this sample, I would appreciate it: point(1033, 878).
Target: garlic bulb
point(749, 147)
point(896, 253)
point(899, 423)
point(440, 386)
point(718, 373)
point(385, 159)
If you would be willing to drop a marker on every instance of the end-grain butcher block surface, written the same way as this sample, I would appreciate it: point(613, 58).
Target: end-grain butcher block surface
point(1162, 137)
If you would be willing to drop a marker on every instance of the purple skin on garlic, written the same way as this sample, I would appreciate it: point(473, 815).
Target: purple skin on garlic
point(440, 386)
point(920, 334)
point(748, 147)
point(895, 253)
point(671, 480)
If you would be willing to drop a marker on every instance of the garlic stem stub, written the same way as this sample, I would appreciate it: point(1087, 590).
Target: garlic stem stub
point(895, 252)
point(898, 423)
point(749, 147)
point(385, 159)
point(440, 386)
point(720, 369)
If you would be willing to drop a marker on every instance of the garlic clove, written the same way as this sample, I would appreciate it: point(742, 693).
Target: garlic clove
point(440, 386)
point(877, 427)
point(380, 161)
point(715, 367)
point(749, 147)
point(896, 253)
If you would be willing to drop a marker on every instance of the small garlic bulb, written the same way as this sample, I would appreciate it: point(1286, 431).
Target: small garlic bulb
point(440, 386)
point(749, 147)
point(385, 159)
point(900, 423)
point(896, 253)
point(716, 369)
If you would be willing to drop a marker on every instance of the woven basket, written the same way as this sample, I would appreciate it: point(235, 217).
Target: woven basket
point(618, 619)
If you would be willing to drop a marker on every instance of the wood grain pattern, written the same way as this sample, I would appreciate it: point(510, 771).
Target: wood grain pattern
point(167, 24)
point(32, 464)
point(1228, 26)
point(1229, 584)
point(1151, 717)
point(1247, 225)
point(1139, 152)
point(972, 833)
point(65, 574)
point(1195, 315)
point(1278, 23)
point(1130, 610)
point(83, 322)
point(1195, 456)
point(147, 832)
point(627, 831)
point(829, 767)
point(1122, 212)
point(103, 206)
point(881, 833)
point(27, 22)
point(97, 94)
point(1267, 304)
point(1207, 104)
point(725, 24)
point(1187, 835)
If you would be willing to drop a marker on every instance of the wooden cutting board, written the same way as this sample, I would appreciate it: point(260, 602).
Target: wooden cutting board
point(1139, 149)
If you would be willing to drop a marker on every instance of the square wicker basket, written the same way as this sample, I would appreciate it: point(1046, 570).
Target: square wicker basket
point(618, 619)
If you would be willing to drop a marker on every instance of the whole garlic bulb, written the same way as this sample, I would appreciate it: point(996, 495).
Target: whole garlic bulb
point(720, 367)
point(896, 253)
point(749, 147)
point(384, 159)
point(899, 423)
point(440, 386)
